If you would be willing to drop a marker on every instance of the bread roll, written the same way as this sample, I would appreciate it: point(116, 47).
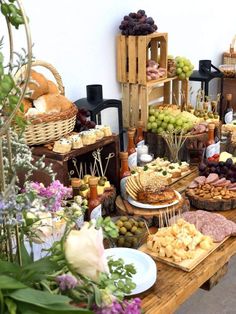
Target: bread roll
point(65, 103)
point(52, 88)
point(47, 104)
point(51, 103)
point(38, 84)
point(32, 112)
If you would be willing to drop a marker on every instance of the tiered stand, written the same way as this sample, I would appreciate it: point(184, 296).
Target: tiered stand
point(133, 52)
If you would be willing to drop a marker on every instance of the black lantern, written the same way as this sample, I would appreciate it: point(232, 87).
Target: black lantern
point(205, 74)
point(95, 103)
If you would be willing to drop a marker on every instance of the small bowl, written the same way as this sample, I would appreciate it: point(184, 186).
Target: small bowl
point(136, 229)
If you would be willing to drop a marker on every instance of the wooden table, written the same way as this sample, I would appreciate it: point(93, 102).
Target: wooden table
point(174, 286)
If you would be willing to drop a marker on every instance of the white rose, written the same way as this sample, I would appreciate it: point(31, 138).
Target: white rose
point(84, 251)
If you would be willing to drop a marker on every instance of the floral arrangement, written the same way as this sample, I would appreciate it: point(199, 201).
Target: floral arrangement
point(84, 282)
point(69, 281)
point(73, 276)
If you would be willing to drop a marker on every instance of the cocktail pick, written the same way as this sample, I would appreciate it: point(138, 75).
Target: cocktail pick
point(111, 155)
point(74, 160)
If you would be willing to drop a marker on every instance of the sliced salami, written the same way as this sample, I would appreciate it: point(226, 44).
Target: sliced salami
point(217, 233)
point(219, 182)
point(213, 177)
point(233, 225)
point(193, 185)
point(200, 180)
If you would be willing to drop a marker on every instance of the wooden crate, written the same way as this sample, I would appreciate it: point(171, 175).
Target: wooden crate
point(137, 98)
point(133, 53)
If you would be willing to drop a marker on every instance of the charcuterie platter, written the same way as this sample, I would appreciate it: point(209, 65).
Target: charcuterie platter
point(212, 193)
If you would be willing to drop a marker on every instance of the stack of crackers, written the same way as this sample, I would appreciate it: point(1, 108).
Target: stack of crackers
point(143, 180)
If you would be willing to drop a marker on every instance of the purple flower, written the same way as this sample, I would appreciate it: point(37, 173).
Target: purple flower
point(66, 282)
point(56, 191)
point(126, 307)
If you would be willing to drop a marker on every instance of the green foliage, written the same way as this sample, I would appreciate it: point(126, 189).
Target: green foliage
point(17, 297)
point(119, 280)
point(110, 230)
point(12, 13)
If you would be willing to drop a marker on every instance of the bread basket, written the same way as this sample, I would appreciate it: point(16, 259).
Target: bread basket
point(50, 127)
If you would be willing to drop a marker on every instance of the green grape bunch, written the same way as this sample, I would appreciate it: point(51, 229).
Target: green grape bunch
point(184, 67)
point(12, 13)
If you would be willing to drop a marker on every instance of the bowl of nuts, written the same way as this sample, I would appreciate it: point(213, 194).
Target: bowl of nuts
point(132, 231)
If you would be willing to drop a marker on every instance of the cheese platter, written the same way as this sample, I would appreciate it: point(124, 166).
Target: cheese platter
point(186, 265)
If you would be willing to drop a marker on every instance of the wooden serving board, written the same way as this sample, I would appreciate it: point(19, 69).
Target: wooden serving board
point(188, 264)
point(183, 175)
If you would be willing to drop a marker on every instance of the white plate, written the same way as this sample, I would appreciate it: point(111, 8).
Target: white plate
point(146, 270)
point(150, 206)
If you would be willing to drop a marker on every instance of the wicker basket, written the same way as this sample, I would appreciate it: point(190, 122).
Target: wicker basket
point(50, 127)
point(230, 57)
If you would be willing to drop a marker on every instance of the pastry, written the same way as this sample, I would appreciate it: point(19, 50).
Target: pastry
point(105, 128)
point(184, 166)
point(98, 132)
point(174, 170)
point(76, 141)
point(62, 146)
point(88, 137)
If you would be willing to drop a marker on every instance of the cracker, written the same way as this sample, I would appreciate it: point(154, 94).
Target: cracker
point(131, 193)
point(133, 183)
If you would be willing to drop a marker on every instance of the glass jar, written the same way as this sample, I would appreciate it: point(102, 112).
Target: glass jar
point(229, 70)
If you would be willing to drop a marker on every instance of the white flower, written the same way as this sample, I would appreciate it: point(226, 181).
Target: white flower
point(84, 251)
point(78, 199)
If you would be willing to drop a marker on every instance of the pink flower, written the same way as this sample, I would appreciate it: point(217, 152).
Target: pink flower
point(56, 191)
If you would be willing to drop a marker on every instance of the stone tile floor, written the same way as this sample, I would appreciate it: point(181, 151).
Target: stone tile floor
point(220, 300)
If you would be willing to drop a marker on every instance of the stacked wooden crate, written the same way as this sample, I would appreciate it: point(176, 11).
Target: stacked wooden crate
point(133, 52)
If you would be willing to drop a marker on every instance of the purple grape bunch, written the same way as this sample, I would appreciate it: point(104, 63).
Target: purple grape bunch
point(137, 24)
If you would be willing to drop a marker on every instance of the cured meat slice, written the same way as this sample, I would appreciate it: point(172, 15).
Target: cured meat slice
point(217, 233)
point(233, 225)
point(232, 185)
point(219, 182)
point(200, 180)
point(193, 185)
point(213, 177)
point(227, 183)
point(232, 188)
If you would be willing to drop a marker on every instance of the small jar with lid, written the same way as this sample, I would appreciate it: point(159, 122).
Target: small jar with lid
point(229, 70)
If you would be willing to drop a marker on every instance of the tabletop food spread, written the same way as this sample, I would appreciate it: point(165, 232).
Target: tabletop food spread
point(97, 222)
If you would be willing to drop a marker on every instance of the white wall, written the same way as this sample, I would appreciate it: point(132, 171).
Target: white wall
point(78, 37)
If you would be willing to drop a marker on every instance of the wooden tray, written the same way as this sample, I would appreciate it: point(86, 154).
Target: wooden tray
point(211, 204)
point(188, 264)
point(183, 175)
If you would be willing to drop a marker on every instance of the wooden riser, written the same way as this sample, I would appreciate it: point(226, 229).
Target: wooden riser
point(137, 98)
point(133, 52)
